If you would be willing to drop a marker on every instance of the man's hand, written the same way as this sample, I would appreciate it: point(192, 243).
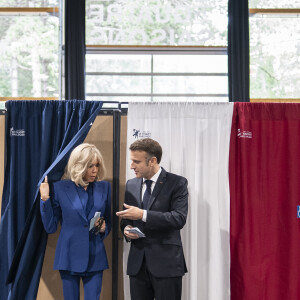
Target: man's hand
point(131, 213)
point(130, 235)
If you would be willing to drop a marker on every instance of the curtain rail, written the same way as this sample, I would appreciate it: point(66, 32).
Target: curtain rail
point(104, 110)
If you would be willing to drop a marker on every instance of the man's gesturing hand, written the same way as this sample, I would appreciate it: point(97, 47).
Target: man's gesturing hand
point(131, 213)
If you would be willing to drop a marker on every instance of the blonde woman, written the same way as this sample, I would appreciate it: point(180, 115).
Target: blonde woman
point(74, 201)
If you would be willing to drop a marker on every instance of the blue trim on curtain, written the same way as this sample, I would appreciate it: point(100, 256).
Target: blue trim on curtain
point(40, 136)
point(238, 50)
point(75, 49)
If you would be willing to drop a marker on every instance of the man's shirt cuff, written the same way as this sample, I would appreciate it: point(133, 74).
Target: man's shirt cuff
point(144, 219)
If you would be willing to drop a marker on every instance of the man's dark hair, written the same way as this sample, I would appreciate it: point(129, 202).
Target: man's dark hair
point(151, 147)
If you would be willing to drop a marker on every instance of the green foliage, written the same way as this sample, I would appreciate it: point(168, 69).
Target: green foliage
point(28, 3)
point(273, 4)
point(274, 58)
point(29, 54)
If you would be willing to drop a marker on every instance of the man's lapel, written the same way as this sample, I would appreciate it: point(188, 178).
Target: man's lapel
point(158, 186)
point(137, 191)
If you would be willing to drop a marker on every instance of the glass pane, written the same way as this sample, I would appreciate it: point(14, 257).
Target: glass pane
point(274, 4)
point(191, 84)
point(28, 3)
point(156, 22)
point(158, 99)
point(29, 56)
point(119, 98)
point(118, 84)
point(274, 57)
point(118, 63)
point(191, 99)
point(191, 63)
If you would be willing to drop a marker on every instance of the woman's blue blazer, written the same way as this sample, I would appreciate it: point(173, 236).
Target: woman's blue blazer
point(77, 250)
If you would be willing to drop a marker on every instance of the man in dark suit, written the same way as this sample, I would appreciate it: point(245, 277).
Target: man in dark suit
point(156, 202)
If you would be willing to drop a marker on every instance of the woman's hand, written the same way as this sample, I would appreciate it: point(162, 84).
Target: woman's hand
point(100, 225)
point(103, 226)
point(44, 189)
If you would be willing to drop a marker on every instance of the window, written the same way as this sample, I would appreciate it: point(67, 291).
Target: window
point(274, 49)
point(29, 49)
point(156, 50)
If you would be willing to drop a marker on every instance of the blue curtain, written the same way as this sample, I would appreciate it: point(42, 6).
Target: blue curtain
point(39, 138)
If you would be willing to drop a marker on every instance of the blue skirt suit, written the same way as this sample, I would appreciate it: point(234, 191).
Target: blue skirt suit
point(79, 252)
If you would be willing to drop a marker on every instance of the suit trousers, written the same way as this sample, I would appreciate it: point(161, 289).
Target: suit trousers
point(92, 283)
point(145, 286)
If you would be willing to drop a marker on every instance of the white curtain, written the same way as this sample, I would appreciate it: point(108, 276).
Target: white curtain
point(195, 141)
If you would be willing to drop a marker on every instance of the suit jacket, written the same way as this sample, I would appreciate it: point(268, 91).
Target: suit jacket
point(77, 249)
point(166, 215)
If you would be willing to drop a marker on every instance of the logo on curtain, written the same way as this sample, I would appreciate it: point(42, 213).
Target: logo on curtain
point(17, 132)
point(244, 134)
point(138, 134)
point(298, 211)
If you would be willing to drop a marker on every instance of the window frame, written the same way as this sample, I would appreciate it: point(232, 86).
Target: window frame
point(155, 50)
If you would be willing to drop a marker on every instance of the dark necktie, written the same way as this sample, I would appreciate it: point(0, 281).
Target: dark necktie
point(147, 193)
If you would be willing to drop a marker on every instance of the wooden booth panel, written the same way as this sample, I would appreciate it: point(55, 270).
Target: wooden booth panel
point(101, 134)
point(123, 152)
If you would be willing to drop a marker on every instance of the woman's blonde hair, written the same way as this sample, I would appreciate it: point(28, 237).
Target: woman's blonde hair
point(80, 159)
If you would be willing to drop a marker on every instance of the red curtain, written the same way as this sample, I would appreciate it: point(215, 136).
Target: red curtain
point(264, 176)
